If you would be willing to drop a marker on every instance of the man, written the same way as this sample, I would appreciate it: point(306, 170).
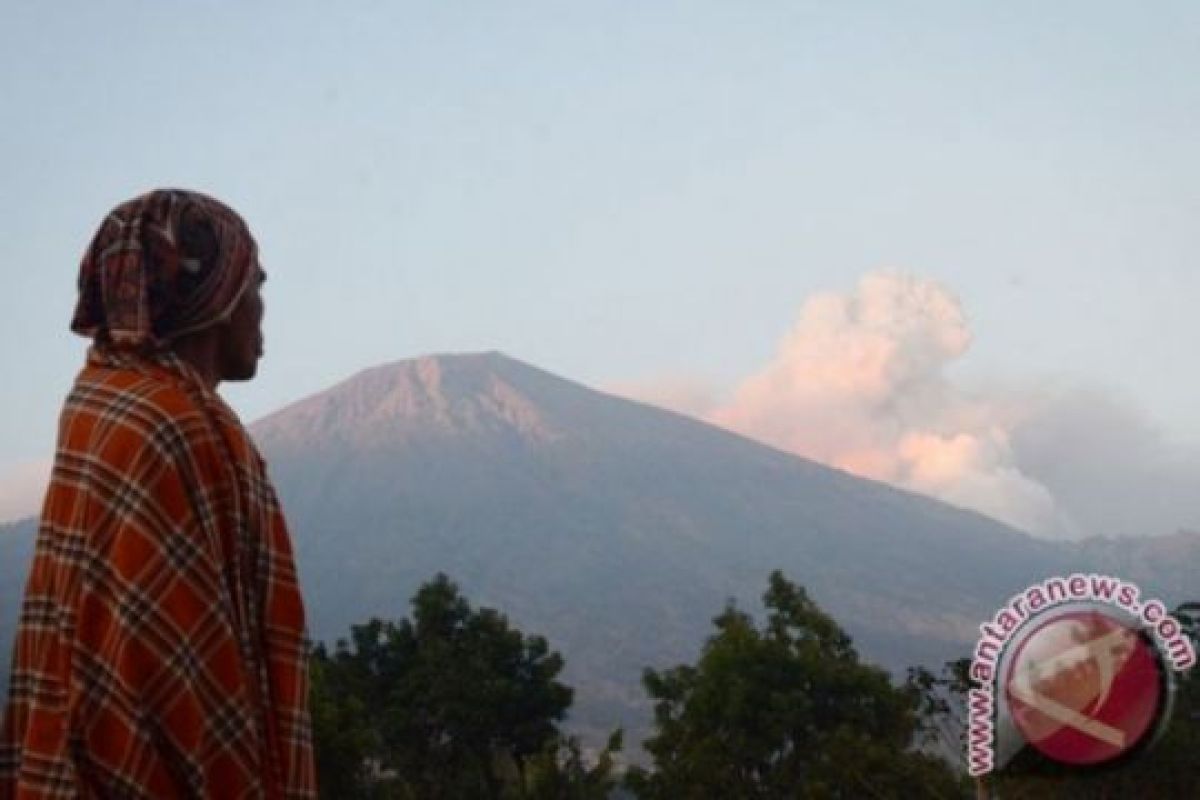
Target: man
point(161, 648)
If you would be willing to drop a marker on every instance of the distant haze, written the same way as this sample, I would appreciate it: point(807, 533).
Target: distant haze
point(22, 490)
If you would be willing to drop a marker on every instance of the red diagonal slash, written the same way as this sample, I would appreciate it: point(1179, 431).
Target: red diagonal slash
point(1101, 649)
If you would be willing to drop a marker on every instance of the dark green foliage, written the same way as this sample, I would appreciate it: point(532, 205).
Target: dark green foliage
point(344, 736)
point(942, 709)
point(453, 703)
point(561, 773)
point(784, 711)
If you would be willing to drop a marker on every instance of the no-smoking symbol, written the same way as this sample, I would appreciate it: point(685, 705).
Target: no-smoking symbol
point(1085, 687)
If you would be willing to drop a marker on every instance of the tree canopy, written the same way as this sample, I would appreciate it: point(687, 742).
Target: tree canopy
point(452, 703)
point(785, 710)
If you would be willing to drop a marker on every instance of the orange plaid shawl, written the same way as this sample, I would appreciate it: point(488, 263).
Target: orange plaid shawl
point(161, 647)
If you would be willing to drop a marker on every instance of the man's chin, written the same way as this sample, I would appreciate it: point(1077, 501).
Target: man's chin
point(241, 372)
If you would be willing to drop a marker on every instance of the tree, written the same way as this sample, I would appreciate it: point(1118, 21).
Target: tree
point(784, 711)
point(562, 772)
point(342, 729)
point(942, 710)
point(454, 703)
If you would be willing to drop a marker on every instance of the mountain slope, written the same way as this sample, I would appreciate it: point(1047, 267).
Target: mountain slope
point(16, 552)
point(618, 530)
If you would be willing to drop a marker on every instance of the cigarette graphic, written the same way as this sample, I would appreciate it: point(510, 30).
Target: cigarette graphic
point(1102, 650)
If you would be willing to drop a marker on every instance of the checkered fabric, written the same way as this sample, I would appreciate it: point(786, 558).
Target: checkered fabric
point(161, 650)
point(140, 287)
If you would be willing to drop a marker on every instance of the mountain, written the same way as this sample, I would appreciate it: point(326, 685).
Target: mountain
point(16, 551)
point(618, 530)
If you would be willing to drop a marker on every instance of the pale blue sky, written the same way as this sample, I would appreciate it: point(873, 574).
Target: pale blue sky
point(620, 191)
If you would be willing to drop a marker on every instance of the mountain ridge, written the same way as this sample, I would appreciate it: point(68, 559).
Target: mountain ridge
point(618, 529)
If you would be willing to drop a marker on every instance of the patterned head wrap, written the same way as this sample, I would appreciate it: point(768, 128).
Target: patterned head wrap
point(162, 265)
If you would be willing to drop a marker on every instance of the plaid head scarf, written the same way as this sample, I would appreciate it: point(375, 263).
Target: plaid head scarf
point(163, 265)
point(161, 646)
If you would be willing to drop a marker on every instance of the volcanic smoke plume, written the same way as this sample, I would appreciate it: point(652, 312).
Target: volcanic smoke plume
point(859, 383)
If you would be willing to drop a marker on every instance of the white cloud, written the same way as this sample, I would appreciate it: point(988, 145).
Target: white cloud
point(860, 382)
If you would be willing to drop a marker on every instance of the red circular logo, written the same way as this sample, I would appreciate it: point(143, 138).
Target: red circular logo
point(1085, 687)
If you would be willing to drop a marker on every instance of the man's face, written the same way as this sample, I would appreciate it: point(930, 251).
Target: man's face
point(242, 342)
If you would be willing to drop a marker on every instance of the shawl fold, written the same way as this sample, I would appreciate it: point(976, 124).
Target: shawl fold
point(161, 648)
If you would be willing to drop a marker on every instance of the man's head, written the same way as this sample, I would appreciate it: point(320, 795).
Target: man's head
point(175, 270)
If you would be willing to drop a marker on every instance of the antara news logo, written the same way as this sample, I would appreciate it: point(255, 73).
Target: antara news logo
point(1077, 667)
